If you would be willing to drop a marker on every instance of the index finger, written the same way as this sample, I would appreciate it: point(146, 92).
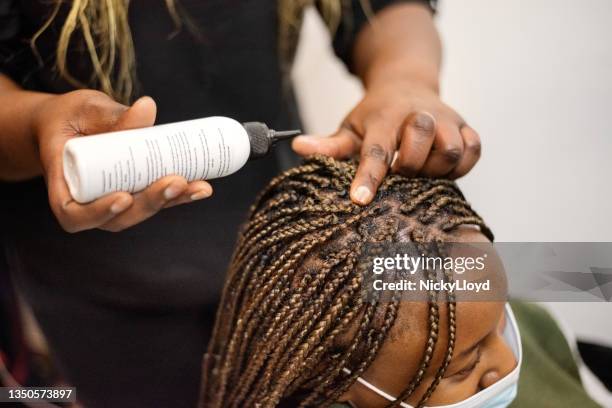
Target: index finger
point(342, 144)
point(376, 155)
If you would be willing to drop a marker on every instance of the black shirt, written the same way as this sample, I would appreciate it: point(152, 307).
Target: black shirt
point(128, 314)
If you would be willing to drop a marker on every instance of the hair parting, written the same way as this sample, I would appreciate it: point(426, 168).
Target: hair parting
point(294, 287)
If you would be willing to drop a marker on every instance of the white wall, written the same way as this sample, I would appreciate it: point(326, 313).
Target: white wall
point(534, 78)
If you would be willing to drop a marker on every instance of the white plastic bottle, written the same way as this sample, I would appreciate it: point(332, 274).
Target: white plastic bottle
point(131, 160)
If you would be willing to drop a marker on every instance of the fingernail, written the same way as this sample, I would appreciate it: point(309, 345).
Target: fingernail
point(363, 195)
point(200, 195)
point(120, 205)
point(172, 191)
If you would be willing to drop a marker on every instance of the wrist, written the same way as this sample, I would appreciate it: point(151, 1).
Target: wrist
point(38, 105)
point(418, 75)
point(32, 105)
point(19, 153)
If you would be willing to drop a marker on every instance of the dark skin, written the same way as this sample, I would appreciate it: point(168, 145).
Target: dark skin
point(49, 121)
point(397, 57)
point(481, 356)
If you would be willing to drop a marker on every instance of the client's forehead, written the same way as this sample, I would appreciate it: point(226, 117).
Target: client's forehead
point(413, 316)
point(402, 353)
point(404, 348)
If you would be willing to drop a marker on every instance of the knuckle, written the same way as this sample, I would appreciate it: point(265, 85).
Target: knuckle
point(116, 227)
point(93, 102)
point(452, 154)
point(64, 219)
point(375, 179)
point(82, 96)
point(89, 93)
point(151, 205)
point(406, 168)
point(424, 123)
point(378, 153)
point(100, 108)
point(475, 147)
point(71, 229)
point(68, 226)
point(473, 143)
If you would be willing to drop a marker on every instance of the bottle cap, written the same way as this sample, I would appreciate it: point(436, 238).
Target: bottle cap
point(262, 138)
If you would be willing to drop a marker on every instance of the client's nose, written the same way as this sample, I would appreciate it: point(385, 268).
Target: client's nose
point(489, 378)
point(502, 362)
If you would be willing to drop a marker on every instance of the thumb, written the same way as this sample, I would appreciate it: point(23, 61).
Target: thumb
point(342, 144)
point(141, 114)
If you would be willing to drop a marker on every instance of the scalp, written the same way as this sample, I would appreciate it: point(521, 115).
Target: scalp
point(293, 290)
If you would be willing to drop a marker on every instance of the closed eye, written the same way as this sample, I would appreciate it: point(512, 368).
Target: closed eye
point(466, 371)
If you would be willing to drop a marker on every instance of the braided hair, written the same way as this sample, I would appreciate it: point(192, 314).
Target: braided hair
point(293, 287)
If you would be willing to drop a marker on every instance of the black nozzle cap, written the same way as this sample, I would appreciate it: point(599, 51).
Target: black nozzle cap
point(262, 138)
point(258, 136)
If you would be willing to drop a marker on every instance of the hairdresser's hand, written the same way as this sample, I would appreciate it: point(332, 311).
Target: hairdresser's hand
point(87, 112)
point(404, 119)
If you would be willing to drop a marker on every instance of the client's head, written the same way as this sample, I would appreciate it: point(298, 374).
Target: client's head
point(294, 327)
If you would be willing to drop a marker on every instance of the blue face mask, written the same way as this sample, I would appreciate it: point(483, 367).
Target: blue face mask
point(498, 395)
point(503, 399)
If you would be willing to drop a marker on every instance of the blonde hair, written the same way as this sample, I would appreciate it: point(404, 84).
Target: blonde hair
point(104, 27)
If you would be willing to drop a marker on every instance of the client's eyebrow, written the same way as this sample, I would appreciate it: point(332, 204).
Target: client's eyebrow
point(464, 354)
point(471, 349)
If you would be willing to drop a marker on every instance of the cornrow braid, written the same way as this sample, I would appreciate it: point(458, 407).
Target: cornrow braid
point(294, 288)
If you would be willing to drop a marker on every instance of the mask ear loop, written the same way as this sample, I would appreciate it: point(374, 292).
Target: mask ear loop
point(377, 390)
point(516, 345)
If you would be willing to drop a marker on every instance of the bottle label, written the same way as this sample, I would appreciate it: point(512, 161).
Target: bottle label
point(131, 160)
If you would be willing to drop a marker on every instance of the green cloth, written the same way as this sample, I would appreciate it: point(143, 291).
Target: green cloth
point(549, 375)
